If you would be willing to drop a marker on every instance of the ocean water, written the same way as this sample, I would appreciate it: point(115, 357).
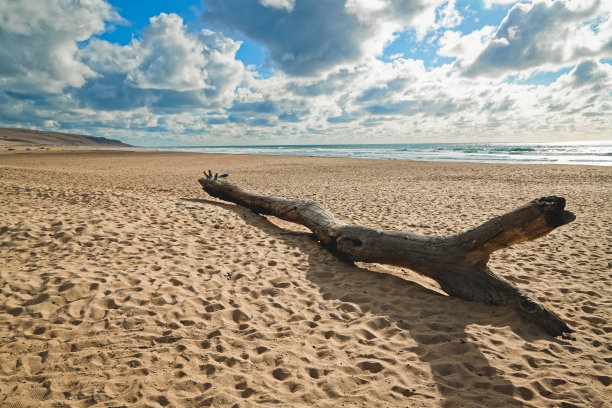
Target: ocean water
point(591, 153)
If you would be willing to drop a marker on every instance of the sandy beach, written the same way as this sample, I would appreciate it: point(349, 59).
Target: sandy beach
point(123, 284)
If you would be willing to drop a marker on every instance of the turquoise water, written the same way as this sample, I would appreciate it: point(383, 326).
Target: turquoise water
point(592, 153)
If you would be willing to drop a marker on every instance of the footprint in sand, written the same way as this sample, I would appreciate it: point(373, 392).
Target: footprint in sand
point(281, 374)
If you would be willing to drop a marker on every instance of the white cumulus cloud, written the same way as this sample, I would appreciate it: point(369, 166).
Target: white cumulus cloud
point(448, 15)
point(172, 58)
point(168, 68)
point(169, 57)
point(39, 51)
point(541, 35)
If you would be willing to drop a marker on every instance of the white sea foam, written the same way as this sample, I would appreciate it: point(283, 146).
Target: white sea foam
point(591, 153)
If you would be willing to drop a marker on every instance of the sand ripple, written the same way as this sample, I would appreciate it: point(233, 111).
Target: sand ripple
point(152, 295)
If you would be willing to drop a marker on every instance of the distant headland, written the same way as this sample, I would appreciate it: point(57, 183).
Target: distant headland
point(17, 137)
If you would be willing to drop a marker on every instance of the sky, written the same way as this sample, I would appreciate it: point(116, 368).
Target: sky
point(256, 72)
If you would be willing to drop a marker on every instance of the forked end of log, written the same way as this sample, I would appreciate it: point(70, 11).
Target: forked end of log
point(458, 262)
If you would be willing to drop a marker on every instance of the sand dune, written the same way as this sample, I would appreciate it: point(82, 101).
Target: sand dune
point(122, 284)
point(11, 138)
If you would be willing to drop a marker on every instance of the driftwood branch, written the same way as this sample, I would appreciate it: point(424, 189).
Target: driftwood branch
point(457, 262)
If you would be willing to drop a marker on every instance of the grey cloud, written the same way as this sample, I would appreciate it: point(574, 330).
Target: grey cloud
point(441, 106)
point(332, 83)
point(422, 15)
point(262, 122)
point(374, 94)
point(557, 107)
point(293, 116)
point(396, 108)
point(35, 110)
point(503, 105)
point(593, 114)
point(587, 72)
point(406, 10)
point(311, 37)
point(251, 121)
point(315, 131)
point(380, 93)
point(257, 107)
point(371, 122)
point(314, 36)
point(345, 117)
point(214, 120)
point(113, 92)
point(258, 114)
point(315, 89)
point(12, 111)
point(171, 101)
point(289, 117)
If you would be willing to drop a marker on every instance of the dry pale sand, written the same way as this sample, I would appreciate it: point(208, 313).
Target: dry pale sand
point(122, 284)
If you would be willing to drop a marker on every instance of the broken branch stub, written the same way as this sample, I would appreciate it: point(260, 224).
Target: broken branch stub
point(457, 262)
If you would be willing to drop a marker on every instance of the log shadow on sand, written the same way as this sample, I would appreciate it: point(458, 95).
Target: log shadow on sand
point(441, 331)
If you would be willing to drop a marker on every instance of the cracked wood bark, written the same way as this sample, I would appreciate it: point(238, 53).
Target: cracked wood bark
point(457, 262)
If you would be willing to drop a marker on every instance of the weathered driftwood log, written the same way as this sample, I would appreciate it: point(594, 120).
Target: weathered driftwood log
point(457, 262)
